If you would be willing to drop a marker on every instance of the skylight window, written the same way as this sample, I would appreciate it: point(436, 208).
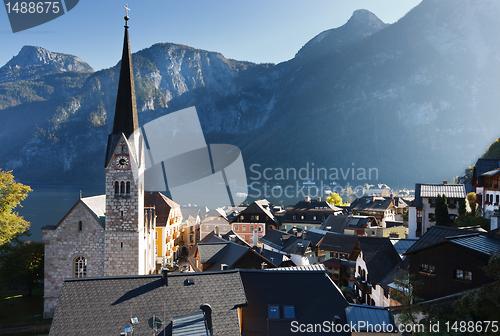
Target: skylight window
point(274, 312)
point(289, 312)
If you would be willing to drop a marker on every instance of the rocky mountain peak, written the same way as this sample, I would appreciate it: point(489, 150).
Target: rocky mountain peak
point(32, 62)
point(362, 23)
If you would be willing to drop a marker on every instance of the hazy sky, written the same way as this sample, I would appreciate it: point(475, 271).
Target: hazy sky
point(258, 31)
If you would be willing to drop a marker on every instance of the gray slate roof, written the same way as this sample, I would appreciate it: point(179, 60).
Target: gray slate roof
point(380, 257)
point(437, 234)
point(339, 242)
point(286, 242)
point(402, 245)
point(376, 316)
point(89, 306)
point(478, 242)
point(312, 293)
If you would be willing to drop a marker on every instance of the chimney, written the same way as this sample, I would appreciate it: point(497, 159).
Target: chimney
point(445, 182)
point(304, 234)
point(263, 265)
point(164, 273)
point(373, 198)
point(318, 199)
point(308, 199)
point(223, 267)
point(217, 231)
point(232, 238)
point(207, 309)
point(255, 238)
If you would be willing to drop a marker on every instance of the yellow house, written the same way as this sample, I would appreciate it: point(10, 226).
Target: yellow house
point(168, 219)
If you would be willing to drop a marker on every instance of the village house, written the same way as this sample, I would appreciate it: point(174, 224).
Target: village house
point(168, 218)
point(308, 213)
point(300, 250)
point(485, 180)
point(214, 218)
point(450, 261)
point(382, 208)
point(257, 216)
point(190, 226)
point(376, 259)
point(422, 209)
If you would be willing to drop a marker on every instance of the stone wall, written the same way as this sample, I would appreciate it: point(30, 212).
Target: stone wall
point(63, 244)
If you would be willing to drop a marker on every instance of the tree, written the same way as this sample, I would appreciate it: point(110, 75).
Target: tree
point(462, 207)
point(406, 295)
point(471, 198)
point(335, 199)
point(441, 214)
point(11, 195)
point(21, 264)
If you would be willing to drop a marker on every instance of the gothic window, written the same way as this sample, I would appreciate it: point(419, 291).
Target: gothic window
point(80, 267)
point(80, 226)
point(128, 188)
point(117, 188)
point(122, 188)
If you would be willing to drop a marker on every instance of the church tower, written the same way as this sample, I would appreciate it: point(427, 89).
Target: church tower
point(127, 240)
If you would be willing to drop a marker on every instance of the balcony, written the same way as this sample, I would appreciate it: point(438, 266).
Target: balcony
point(364, 286)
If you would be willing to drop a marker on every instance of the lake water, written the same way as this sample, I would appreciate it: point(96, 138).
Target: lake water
point(47, 204)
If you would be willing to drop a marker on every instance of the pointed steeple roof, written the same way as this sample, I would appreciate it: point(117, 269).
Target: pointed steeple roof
point(126, 109)
point(125, 120)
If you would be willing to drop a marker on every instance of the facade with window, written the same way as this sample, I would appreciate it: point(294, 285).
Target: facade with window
point(422, 209)
point(454, 265)
point(80, 235)
point(260, 213)
point(485, 182)
point(167, 219)
point(246, 231)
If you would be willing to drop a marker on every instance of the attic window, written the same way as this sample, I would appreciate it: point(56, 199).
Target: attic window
point(274, 312)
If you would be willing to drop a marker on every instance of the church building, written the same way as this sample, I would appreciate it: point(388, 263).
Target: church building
point(112, 234)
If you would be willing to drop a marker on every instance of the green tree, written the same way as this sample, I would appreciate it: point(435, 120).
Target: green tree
point(335, 199)
point(11, 195)
point(462, 207)
point(21, 264)
point(441, 214)
point(406, 295)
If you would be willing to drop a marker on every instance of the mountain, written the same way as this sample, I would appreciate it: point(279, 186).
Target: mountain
point(34, 62)
point(411, 102)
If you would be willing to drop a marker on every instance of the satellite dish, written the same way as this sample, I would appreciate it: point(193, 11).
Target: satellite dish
point(154, 322)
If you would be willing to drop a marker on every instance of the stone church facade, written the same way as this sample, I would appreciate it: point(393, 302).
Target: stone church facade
point(112, 234)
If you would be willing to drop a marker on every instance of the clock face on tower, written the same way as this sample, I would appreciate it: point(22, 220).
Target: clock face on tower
point(122, 162)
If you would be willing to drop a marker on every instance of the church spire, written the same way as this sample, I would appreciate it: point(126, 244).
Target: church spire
point(125, 120)
point(126, 110)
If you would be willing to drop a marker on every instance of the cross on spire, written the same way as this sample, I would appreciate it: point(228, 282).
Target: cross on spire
point(126, 14)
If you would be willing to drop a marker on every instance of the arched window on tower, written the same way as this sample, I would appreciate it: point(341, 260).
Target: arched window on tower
point(80, 267)
point(122, 188)
point(117, 188)
point(128, 188)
